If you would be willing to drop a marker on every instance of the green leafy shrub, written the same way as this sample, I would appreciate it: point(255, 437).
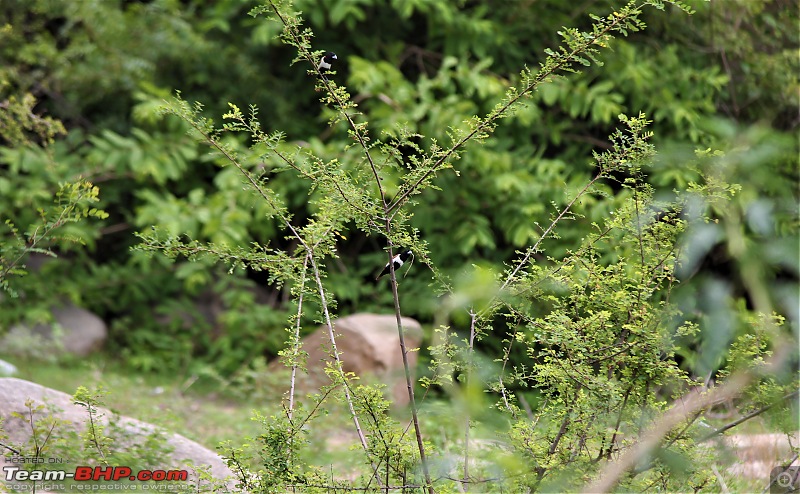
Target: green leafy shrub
point(597, 324)
point(603, 288)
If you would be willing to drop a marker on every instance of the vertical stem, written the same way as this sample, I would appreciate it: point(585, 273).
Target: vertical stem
point(296, 350)
point(616, 426)
point(338, 361)
point(406, 368)
point(468, 383)
point(540, 471)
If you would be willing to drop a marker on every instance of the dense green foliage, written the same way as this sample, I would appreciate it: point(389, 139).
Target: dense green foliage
point(103, 68)
point(602, 278)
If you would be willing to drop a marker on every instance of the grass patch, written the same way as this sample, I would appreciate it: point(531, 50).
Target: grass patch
point(206, 413)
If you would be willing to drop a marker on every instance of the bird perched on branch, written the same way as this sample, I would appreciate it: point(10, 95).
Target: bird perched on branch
point(326, 61)
point(397, 260)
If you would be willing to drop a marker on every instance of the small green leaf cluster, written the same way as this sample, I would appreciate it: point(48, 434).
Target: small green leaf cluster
point(74, 202)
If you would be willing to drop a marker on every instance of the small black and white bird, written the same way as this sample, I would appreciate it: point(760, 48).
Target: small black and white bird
point(327, 61)
point(397, 260)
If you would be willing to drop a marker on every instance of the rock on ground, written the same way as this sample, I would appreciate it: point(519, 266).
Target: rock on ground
point(369, 346)
point(80, 333)
point(7, 369)
point(758, 454)
point(15, 392)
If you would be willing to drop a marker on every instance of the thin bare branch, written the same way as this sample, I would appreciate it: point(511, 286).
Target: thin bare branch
point(406, 367)
point(337, 360)
point(296, 338)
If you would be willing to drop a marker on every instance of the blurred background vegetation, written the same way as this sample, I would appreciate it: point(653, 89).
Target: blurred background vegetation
point(725, 78)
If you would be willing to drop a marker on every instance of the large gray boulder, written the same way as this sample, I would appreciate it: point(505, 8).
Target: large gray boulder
point(15, 392)
point(369, 346)
point(74, 330)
